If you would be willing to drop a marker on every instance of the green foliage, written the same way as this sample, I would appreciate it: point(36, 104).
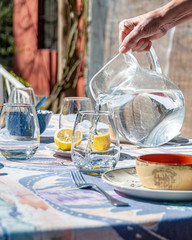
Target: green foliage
point(6, 31)
point(25, 83)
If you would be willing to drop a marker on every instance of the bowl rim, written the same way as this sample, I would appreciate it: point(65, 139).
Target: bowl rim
point(170, 159)
point(39, 111)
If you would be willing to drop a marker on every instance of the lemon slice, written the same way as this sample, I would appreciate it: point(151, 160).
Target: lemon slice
point(63, 138)
point(101, 142)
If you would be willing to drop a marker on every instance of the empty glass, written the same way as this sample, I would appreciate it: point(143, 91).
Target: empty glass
point(69, 109)
point(19, 131)
point(95, 142)
point(22, 95)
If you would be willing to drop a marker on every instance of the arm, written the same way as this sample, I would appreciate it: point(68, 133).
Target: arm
point(137, 33)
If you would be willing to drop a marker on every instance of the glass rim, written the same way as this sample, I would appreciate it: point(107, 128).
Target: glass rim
point(92, 112)
point(17, 105)
point(24, 88)
point(76, 98)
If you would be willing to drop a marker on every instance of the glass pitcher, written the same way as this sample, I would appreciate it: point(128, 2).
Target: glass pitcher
point(149, 107)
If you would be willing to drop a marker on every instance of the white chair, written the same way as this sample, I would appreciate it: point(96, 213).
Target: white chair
point(10, 83)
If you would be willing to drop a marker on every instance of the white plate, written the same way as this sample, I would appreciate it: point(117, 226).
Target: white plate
point(53, 147)
point(125, 180)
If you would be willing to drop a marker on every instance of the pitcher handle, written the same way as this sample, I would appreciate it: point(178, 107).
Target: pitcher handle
point(153, 61)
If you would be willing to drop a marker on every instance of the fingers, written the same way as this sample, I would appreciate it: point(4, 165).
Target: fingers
point(142, 46)
point(136, 42)
point(130, 40)
point(135, 34)
point(125, 27)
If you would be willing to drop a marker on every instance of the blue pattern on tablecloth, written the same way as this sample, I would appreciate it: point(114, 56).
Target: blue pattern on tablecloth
point(38, 200)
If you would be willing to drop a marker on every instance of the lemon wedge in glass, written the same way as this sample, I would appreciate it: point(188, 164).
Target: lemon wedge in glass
point(63, 138)
point(101, 142)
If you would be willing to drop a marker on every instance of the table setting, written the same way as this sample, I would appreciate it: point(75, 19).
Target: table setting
point(42, 187)
point(115, 171)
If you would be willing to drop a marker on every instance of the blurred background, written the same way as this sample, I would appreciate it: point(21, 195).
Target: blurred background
point(57, 46)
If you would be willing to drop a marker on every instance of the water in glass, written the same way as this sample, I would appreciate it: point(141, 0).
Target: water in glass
point(19, 131)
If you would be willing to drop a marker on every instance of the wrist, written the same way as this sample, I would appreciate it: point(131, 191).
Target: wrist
point(175, 12)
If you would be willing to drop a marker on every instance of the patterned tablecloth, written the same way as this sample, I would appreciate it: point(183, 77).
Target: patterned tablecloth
point(38, 200)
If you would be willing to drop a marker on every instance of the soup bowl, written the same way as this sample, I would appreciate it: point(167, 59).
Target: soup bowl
point(165, 171)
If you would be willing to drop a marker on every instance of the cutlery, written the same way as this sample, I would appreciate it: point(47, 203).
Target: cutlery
point(82, 184)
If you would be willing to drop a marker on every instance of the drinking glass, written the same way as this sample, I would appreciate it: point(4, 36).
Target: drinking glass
point(95, 142)
point(19, 131)
point(22, 95)
point(69, 109)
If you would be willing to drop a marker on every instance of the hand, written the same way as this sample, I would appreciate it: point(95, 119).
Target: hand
point(137, 33)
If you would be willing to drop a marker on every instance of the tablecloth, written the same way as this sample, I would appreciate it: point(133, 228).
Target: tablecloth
point(38, 200)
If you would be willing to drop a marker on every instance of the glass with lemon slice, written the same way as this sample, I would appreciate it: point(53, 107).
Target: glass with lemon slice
point(69, 109)
point(95, 143)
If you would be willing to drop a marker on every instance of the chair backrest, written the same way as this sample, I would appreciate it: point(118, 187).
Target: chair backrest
point(10, 83)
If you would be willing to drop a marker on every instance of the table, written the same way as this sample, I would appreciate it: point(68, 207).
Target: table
point(38, 200)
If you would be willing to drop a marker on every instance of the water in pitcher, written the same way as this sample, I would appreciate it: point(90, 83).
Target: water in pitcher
point(148, 106)
point(146, 117)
